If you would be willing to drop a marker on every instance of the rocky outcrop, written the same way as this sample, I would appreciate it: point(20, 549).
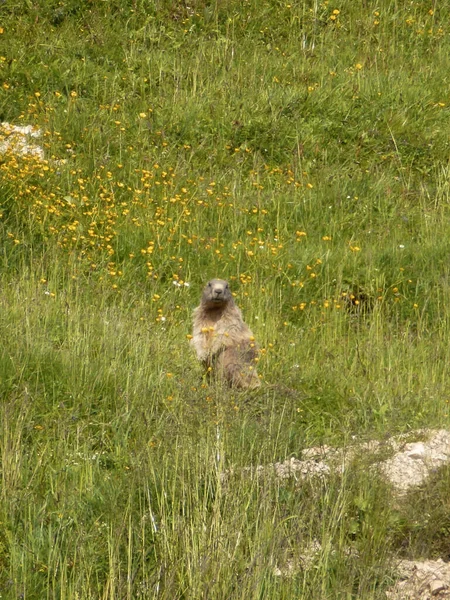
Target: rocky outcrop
point(422, 580)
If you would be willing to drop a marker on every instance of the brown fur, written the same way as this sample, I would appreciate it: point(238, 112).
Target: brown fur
point(221, 339)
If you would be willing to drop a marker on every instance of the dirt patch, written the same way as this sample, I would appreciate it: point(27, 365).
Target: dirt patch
point(297, 469)
point(304, 561)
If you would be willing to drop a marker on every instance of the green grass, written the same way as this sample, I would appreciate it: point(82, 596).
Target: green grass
point(306, 159)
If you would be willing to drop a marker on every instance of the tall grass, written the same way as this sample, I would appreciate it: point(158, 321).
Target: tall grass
point(299, 149)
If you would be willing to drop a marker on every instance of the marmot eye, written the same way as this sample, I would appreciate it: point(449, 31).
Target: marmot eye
point(209, 284)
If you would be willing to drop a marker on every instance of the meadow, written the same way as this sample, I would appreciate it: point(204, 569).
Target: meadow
point(299, 149)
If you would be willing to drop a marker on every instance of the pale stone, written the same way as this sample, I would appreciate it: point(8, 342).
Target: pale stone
point(437, 585)
point(15, 139)
point(416, 450)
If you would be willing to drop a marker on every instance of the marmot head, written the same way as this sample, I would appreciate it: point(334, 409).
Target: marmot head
point(216, 293)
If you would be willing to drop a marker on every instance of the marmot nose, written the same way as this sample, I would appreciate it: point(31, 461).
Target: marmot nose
point(218, 292)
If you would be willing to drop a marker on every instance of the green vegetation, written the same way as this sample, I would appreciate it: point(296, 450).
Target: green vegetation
point(300, 150)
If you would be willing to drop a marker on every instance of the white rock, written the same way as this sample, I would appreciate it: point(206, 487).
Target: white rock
point(436, 586)
point(416, 450)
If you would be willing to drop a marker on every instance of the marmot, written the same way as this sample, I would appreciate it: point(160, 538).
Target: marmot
point(222, 340)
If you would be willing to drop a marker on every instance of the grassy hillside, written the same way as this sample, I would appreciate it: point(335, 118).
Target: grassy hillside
point(298, 149)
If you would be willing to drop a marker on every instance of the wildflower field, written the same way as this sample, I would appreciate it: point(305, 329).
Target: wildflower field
point(299, 149)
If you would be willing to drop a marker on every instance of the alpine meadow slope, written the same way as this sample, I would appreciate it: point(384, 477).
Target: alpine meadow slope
point(299, 150)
